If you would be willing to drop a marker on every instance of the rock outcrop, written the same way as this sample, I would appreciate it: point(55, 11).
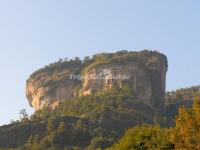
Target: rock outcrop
point(142, 72)
point(48, 87)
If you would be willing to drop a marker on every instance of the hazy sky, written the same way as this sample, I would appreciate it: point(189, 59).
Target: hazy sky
point(34, 33)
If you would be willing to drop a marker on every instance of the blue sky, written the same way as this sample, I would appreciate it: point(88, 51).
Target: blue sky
point(34, 33)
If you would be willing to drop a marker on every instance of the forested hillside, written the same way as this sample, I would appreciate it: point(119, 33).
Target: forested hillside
point(100, 120)
point(177, 98)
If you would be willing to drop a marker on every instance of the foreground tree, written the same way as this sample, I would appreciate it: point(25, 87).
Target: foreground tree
point(186, 133)
point(144, 138)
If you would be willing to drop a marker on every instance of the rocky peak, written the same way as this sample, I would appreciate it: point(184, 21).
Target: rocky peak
point(144, 71)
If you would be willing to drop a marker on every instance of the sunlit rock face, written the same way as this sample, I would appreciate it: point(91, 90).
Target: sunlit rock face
point(143, 73)
point(48, 88)
point(49, 96)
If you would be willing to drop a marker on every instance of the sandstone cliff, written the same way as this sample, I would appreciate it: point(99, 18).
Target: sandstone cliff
point(50, 85)
point(145, 70)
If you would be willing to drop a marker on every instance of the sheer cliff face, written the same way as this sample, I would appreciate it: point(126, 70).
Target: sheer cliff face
point(48, 88)
point(143, 73)
point(119, 76)
point(44, 96)
point(146, 82)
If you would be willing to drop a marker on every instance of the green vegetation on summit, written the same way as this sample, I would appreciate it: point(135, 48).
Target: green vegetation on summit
point(132, 116)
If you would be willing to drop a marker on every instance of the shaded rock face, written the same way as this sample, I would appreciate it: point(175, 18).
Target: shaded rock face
point(145, 78)
point(148, 85)
point(129, 75)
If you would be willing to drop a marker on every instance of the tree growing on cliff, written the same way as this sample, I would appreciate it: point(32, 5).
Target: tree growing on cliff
point(24, 115)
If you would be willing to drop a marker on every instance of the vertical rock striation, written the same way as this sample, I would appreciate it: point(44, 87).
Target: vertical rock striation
point(145, 74)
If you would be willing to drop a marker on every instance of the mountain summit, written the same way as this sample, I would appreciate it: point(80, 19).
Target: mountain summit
point(142, 73)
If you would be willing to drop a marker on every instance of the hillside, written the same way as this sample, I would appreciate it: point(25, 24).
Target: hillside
point(177, 98)
point(92, 121)
point(96, 121)
point(95, 113)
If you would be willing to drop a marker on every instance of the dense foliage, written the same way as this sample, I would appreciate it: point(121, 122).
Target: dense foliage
point(183, 94)
point(184, 136)
point(108, 115)
point(175, 99)
point(100, 105)
point(144, 138)
point(99, 121)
